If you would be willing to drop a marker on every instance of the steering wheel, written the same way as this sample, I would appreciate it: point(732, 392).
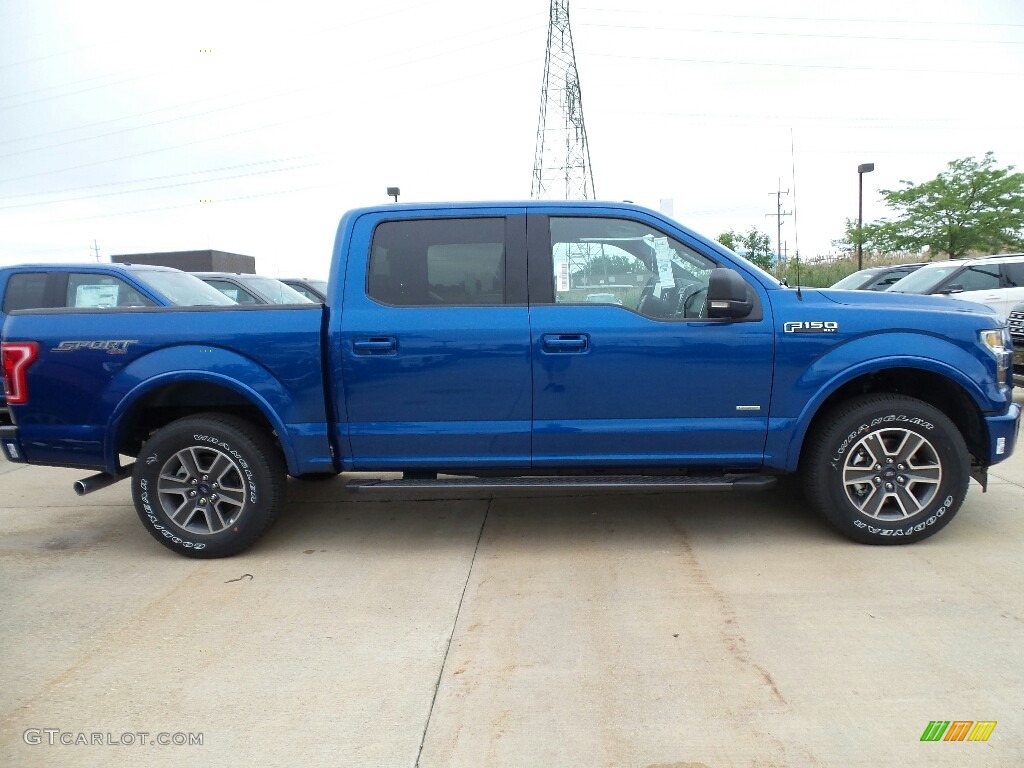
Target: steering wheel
point(690, 301)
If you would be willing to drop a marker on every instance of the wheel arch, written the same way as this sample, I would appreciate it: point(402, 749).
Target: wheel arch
point(162, 399)
point(938, 385)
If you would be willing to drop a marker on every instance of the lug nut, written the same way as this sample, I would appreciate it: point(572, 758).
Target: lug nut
point(900, 467)
point(193, 481)
point(202, 501)
point(878, 480)
point(888, 486)
point(216, 486)
point(901, 479)
point(887, 461)
point(192, 494)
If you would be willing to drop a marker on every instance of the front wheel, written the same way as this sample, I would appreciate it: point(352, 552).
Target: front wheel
point(886, 469)
point(208, 485)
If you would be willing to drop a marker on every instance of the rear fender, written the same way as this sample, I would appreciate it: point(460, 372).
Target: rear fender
point(221, 367)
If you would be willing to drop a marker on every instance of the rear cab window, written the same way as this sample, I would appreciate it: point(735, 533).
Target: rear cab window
point(27, 290)
point(438, 262)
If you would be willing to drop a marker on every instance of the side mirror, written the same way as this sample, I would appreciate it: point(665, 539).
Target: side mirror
point(954, 288)
point(728, 294)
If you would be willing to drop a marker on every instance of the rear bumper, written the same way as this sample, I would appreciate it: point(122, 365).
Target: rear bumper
point(1002, 433)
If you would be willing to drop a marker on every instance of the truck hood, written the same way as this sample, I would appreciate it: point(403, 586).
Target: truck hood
point(911, 301)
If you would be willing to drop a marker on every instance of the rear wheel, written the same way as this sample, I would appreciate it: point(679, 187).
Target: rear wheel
point(886, 469)
point(208, 485)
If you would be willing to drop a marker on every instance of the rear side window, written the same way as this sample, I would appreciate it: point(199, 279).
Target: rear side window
point(454, 262)
point(26, 290)
point(90, 291)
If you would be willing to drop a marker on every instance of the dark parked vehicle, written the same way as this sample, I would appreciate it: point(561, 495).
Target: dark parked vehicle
point(876, 278)
point(314, 290)
point(98, 286)
point(253, 289)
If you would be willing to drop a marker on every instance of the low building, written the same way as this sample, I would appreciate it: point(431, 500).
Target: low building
point(192, 261)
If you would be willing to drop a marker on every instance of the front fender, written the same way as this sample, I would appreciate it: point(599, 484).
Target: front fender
point(795, 403)
point(221, 367)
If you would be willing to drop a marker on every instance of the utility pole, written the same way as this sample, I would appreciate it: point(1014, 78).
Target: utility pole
point(95, 249)
point(778, 214)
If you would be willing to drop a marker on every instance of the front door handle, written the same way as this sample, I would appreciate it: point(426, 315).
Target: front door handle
point(565, 342)
point(376, 345)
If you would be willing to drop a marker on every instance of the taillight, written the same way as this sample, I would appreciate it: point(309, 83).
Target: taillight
point(16, 357)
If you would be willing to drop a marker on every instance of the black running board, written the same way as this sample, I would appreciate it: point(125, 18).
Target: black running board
point(696, 483)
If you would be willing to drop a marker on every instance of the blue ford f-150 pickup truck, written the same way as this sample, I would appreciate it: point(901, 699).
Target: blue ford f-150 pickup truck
point(465, 340)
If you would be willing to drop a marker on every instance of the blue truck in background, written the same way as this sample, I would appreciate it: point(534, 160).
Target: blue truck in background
point(39, 286)
point(579, 344)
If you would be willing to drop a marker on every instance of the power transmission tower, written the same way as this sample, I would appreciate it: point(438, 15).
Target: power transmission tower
point(561, 167)
point(95, 249)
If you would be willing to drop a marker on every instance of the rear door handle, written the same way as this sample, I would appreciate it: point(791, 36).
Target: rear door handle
point(565, 342)
point(376, 345)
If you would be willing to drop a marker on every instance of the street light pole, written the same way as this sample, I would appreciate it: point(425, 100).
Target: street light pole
point(861, 170)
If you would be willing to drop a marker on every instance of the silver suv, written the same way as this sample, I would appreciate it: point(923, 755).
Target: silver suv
point(997, 281)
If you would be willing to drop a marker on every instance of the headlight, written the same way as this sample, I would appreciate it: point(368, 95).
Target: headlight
point(1000, 344)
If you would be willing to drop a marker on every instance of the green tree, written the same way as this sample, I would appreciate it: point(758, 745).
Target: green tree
point(972, 206)
point(753, 245)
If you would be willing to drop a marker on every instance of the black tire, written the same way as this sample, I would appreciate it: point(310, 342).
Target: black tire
point(208, 485)
point(885, 469)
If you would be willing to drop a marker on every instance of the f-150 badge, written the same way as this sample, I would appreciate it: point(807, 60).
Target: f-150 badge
point(811, 326)
point(110, 346)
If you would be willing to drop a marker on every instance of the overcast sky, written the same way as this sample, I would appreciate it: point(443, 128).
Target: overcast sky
point(250, 127)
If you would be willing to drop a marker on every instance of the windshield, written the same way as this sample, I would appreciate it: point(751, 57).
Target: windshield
point(855, 280)
point(182, 289)
point(275, 291)
point(924, 280)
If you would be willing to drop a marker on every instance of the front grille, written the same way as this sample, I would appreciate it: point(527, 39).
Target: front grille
point(1016, 323)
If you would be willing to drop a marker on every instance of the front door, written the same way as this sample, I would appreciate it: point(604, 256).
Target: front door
point(627, 368)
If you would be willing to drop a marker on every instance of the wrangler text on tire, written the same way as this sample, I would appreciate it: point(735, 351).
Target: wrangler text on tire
point(886, 469)
point(208, 485)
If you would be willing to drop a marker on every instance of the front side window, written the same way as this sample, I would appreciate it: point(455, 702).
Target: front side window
point(981, 278)
point(91, 291)
point(1013, 271)
point(629, 264)
point(429, 262)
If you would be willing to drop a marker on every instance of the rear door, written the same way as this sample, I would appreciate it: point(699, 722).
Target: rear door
point(434, 343)
point(627, 368)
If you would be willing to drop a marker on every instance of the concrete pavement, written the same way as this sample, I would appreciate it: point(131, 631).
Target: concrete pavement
point(556, 630)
